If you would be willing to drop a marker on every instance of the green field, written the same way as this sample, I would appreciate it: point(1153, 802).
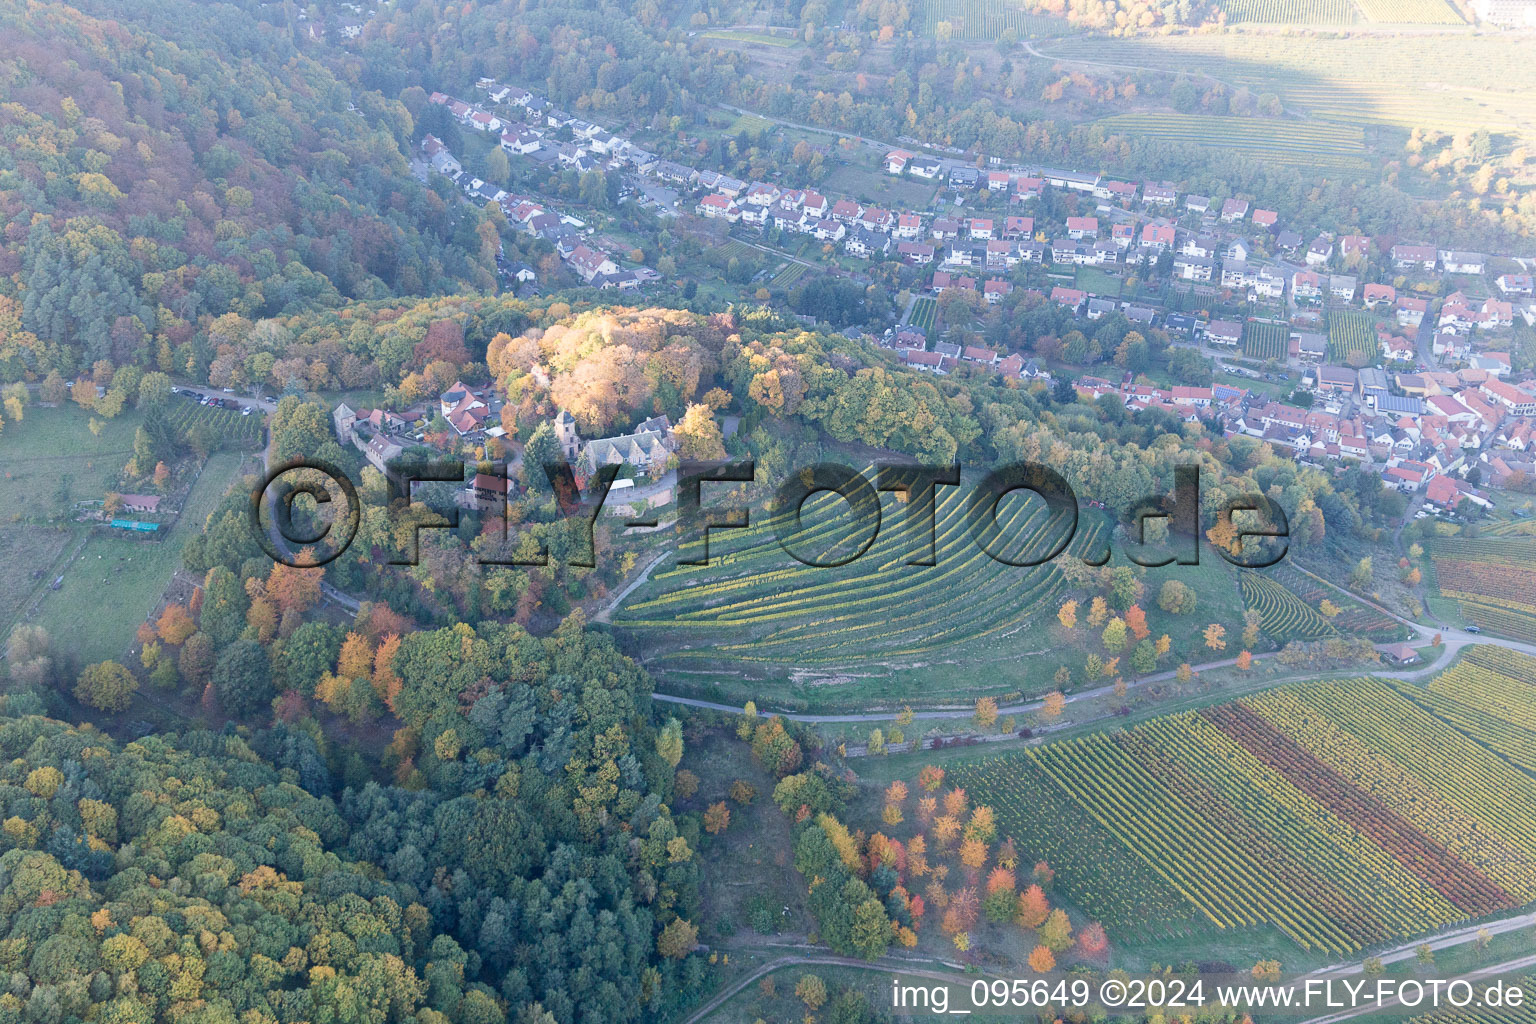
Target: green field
point(51, 447)
point(1097, 282)
point(1266, 341)
point(925, 312)
point(739, 36)
point(1444, 81)
point(1352, 338)
point(1284, 141)
point(749, 123)
point(1291, 12)
point(116, 581)
point(985, 20)
point(870, 184)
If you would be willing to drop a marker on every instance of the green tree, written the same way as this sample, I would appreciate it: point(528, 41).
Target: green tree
point(242, 679)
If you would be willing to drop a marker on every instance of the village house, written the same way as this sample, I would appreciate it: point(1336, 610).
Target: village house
point(647, 450)
point(589, 263)
point(1223, 332)
point(1415, 257)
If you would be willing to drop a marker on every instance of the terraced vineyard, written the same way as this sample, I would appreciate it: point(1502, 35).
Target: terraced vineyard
point(1442, 81)
point(759, 610)
point(1290, 12)
point(228, 429)
point(1283, 616)
point(1353, 619)
point(1266, 341)
point(1344, 814)
point(924, 313)
point(1411, 12)
point(1352, 338)
point(1339, 147)
point(1494, 580)
point(985, 20)
point(791, 273)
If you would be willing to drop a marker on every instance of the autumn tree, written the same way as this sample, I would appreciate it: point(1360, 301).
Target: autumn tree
point(1052, 705)
point(107, 686)
point(1176, 597)
point(175, 624)
point(294, 588)
point(811, 991)
point(717, 818)
point(743, 792)
point(1097, 613)
point(986, 711)
point(1136, 621)
point(1033, 908)
point(931, 777)
point(1092, 941)
point(1067, 615)
point(677, 939)
point(1042, 960)
point(698, 436)
point(1214, 636)
point(1245, 661)
point(669, 742)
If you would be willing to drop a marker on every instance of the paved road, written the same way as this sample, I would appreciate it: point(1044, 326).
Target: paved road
point(629, 588)
point(885, 965)
point(1507, 967)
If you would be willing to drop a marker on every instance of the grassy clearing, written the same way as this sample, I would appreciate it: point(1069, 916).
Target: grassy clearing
point(755, 854)
point(871, 185)
point(740, 36)
point(47, 447)
point(1096, 282)
point(116, 581)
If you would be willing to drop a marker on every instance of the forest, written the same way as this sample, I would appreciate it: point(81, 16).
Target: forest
point(153, 177)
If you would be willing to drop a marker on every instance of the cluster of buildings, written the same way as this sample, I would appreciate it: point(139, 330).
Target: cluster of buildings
point(530, 136)
point(383, 436)
point(1425, 433)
